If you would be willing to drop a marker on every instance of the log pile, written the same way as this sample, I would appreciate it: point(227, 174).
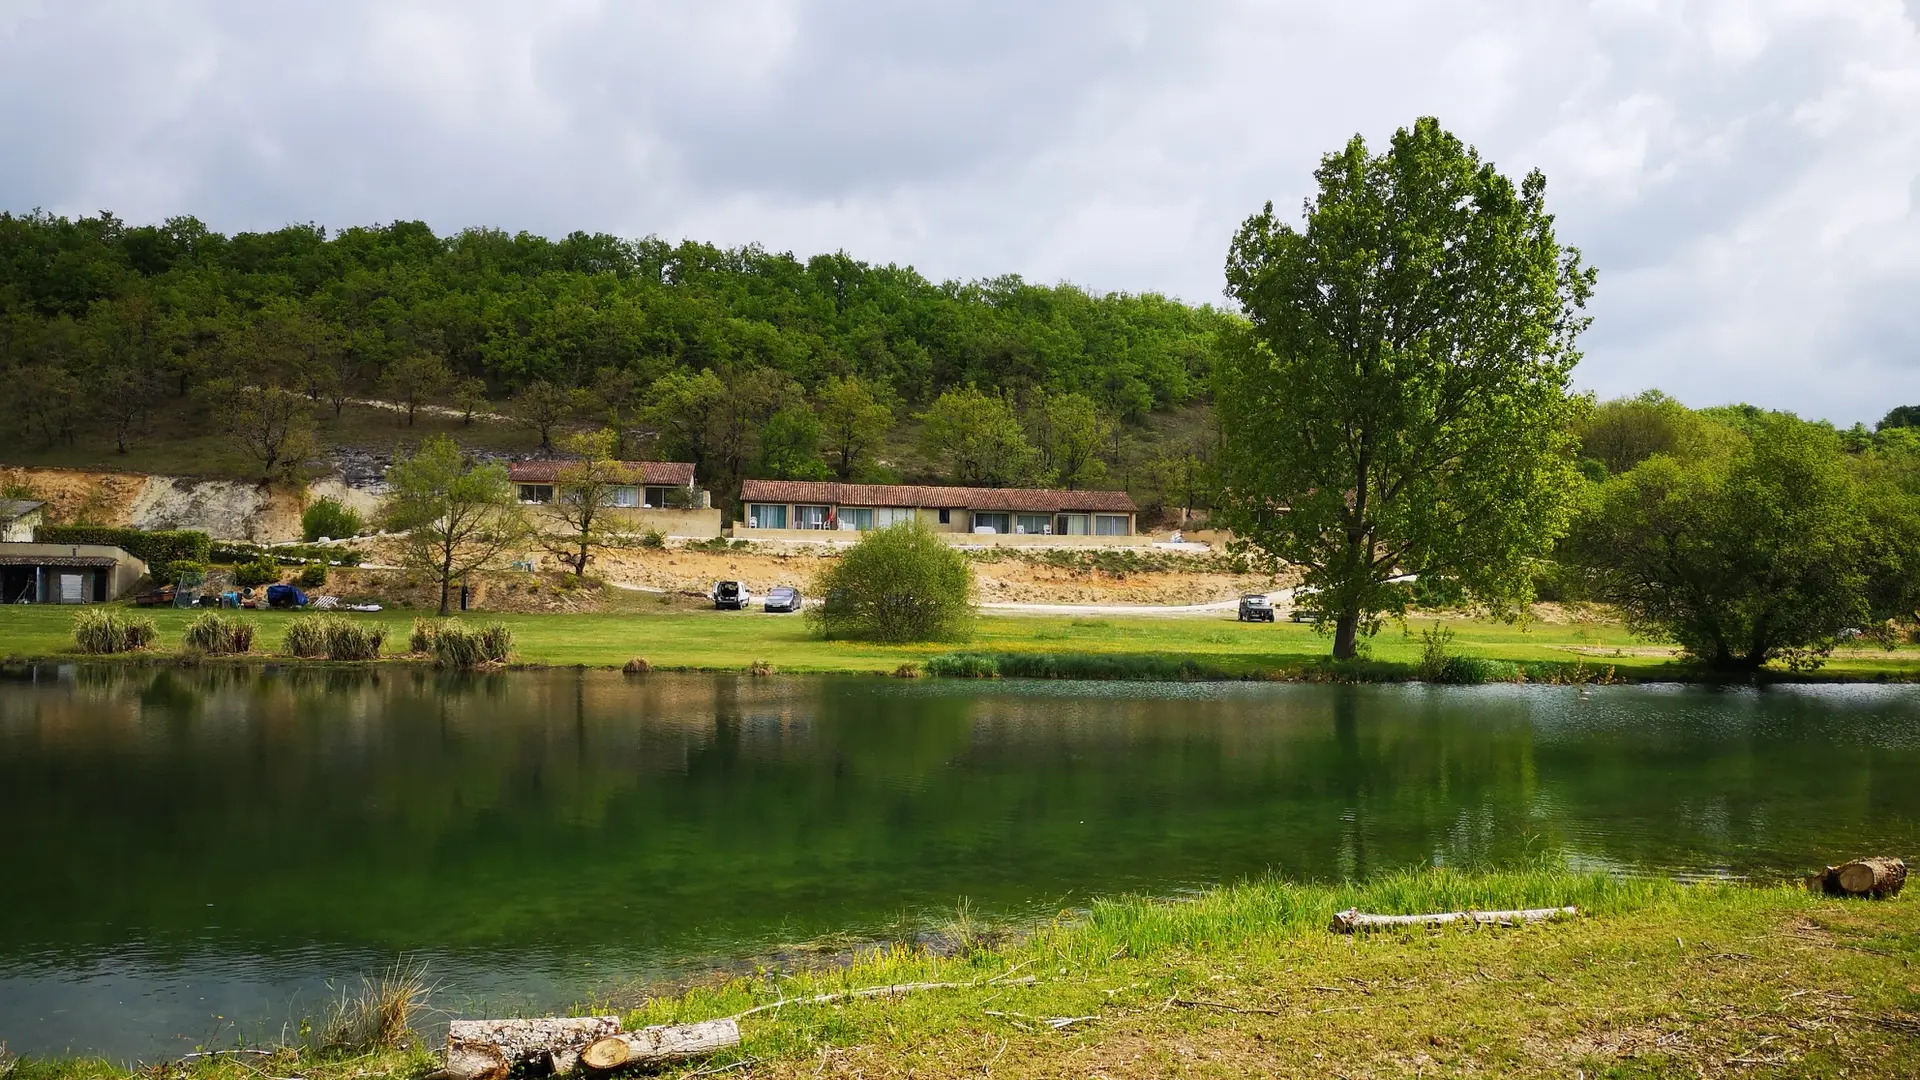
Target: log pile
point(560, 1045)
point(1879, 877)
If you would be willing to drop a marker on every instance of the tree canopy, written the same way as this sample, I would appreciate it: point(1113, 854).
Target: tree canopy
point(1399, 404)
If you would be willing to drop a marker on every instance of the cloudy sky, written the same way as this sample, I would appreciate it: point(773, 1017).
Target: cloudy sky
point(1745, 174)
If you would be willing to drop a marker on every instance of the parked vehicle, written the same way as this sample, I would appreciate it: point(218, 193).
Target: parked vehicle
point(1255, 607)
point(731, 595)
point(782, 598)
point(1306, 607)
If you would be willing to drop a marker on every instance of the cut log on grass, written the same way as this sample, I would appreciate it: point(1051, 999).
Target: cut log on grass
point(490, 1049)
point(1352, 919)
point(659, 1045)
point(1878, 877)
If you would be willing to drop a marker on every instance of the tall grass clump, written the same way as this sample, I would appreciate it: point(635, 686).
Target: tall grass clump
point(219, 635)
point(102, 630)
point(307, 637)
point(420, 640)
point(456, 645)
point(898, 584)
point(335, 638)
point(381, 1013)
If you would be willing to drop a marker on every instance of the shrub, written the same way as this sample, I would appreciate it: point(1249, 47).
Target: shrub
point(160, 550)
point(219, 635)
point(102, 630)
point(963, 666)
point(330, 518)
point(457, 645)
point(897, 584)
point(313, 575)
point(1436, 651)
point(761, 667)
point(1474, 670)
point(653, 538)
point(421, 639)
point(637, 666)
point(261, 571)
point(908, 670)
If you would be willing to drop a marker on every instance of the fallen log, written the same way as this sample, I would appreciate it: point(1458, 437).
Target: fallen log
point(493, 1049)
point(1352, 919)
point(659, 1045)
point(1879, 878)
point(490, 1049)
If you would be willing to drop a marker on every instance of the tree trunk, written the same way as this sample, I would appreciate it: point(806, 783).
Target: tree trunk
point(660, 1045)
point(1346, 631)
point(1879, 878)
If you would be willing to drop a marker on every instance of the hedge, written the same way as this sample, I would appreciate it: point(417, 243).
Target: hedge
point(159, 550)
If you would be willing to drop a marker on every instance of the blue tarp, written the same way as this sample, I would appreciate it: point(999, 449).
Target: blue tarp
point(285, 596)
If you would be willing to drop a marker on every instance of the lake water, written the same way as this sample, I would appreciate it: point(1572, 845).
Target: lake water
point(190, 855)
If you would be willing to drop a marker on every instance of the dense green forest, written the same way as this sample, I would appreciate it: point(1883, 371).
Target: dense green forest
point(120, 336)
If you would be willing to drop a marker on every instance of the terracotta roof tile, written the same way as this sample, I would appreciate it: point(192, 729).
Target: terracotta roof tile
point(670, 473)
point(1027, 500)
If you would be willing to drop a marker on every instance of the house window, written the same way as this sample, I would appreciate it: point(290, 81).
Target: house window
point(656, 497)
point(766, 516)
point(536, 493)
point(1073, 525)
point(811, 517)
point(1033, 524)
point(859, 519)
point(626, 495)
point(997, 523)
point(889, 516)
point(1110, 525)
point(946, 516)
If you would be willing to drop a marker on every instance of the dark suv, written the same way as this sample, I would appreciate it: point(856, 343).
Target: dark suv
point(1255, 607)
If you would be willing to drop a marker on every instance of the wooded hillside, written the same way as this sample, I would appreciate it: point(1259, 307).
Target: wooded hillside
point(103, 323)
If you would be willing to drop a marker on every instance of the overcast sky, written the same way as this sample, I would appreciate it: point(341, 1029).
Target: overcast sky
point(1744, 173)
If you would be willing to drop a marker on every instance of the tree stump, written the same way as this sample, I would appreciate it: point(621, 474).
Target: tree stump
point(1879, 877)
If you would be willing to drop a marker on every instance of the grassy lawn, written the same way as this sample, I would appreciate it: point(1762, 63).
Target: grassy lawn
point(1651, 979)
point(710, 640)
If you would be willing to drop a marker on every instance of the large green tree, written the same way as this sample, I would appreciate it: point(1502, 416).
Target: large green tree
point(977, 439)
point(459, 515)
point(855, 416)
point(1398, 403)
point(1769, 550)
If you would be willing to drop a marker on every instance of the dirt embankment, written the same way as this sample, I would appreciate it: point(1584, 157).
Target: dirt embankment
point(1007, 580)
point(682, 574)
point(225, 509)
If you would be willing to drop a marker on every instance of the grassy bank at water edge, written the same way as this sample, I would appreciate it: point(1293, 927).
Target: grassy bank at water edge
point(1651, 979)
point(1150, 646)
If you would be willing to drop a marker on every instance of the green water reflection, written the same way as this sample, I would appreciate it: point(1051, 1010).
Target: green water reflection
point(184, 844)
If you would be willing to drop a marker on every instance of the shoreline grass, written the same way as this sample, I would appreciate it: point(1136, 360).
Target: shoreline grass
point(1041, 646)
point(1653, 978)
